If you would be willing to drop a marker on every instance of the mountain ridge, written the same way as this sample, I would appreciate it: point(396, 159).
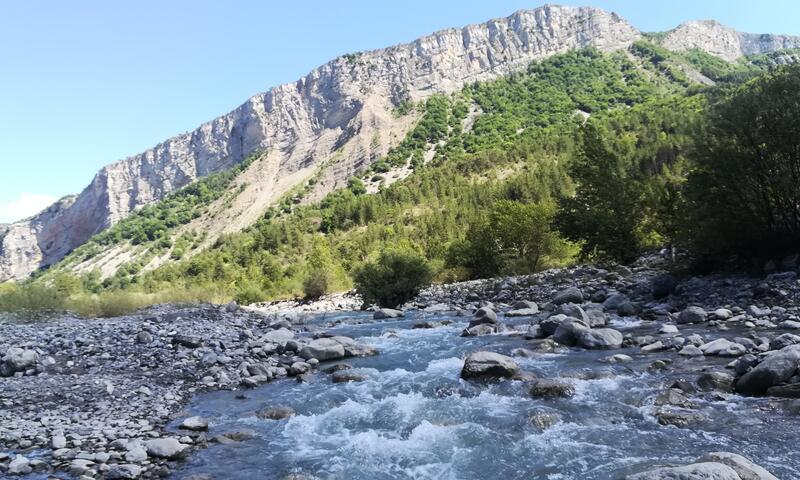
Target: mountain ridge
point(337, 111)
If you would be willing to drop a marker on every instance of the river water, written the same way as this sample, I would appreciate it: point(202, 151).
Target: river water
point(414, 418)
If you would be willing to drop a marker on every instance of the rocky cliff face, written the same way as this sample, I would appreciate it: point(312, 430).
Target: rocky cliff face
point(725, 42)
point(339, 115)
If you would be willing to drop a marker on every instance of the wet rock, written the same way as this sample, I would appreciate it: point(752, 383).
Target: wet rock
point(169, 448)
point(722, 314)
point(482, 329)
point(674, 397)
point(346, 377)
point(275, 413)
point(568, 331)
point(618, 358)
point(599, 338)
point(337, 367)
point(197, 424)
point(489, 365)
point(777, 367)
point(323, 349)
point(523, 308)
point(676, 417)
point(719, 381)
point(692, 315)
point(568, 295)
point(667, 329)
point(791, 390)
point(746, 469)
point(427, 324)
point(482, 316)
point(384, 313)
point(690, 351)
point(543, 421)
point(696, 471)
point(653, 347)
point(551, 388)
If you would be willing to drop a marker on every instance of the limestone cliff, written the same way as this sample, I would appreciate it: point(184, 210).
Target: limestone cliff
point(724, 42)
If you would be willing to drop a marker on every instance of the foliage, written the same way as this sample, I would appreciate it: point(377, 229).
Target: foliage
point(395, 277)
point(743, 192)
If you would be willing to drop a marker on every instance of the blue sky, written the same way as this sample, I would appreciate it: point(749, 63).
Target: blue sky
point(84, 83)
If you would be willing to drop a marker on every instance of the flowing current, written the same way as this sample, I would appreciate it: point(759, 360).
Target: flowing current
point(414, 418)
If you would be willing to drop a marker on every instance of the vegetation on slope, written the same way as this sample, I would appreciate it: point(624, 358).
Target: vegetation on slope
point(584, 154)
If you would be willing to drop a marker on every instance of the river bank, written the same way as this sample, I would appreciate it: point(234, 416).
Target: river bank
point(118, 398)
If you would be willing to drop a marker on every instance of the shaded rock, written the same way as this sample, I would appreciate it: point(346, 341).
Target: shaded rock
point(482, 329)
point(543, 421)
point(275, 413)
point(568, 331)
point(777, 367)
point(673, 397)
point(719, 381)
point(551, 388)
point(568, 295)
point(188, 341)
point(692, 315)
point(124, 471)
point(782, 341)
point(695, 471)
point(345, 376)
point(484, 364)
point(482, 316)
point(678, 418)
point(662, 285)
point(791, 390)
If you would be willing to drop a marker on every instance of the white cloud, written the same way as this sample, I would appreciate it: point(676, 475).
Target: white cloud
point(24, 206)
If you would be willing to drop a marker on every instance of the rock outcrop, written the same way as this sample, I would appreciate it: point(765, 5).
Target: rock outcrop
point(724, 42)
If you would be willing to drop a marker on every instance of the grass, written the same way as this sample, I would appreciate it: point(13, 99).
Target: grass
point(35, 299)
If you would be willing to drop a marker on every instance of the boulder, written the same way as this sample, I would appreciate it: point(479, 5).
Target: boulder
point(695, 471)
point(484, 364)
point(482, 329)
point(549, 325)
point(551, 388)
point(196, 424)
point(169, 448)
point(719, 381)
point(568, 331)
point(124, 471)
point(723, 347)
point(525, 305)
point(323, 349)
point(280, 336)
point(690, 351)
point(568, 295)
point(782, 341)
point(188, 341)
point(662, 285)
point(19, 360)
point(746, 469)
point(384, 313)
point(692, 315)
point(19, 466)
point(615, 300)
point(777, 367)
point(275, 413)
point(482, 316)
point(599, 338)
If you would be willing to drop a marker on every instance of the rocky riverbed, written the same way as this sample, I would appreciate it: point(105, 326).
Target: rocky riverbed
point(583, 372)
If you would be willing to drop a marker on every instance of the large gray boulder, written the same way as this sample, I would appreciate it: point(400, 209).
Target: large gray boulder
point(384, 313)
point(483, 315)
point(569, 331)
point(777, 367)
point(279, 336)
point(523, 308)
point(695, 471)
point(323, 349)
point(692, 315)
point(488, 365)
point(599, 338)
point(722, 347)
point(169, 448)
point(568, 295)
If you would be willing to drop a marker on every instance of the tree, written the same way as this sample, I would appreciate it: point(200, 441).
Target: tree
point(323, 271)
point(743, 191)
point(395, 277)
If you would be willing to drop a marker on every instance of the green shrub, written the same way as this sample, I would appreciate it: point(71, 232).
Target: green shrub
point(394, 278)
point(743, 192)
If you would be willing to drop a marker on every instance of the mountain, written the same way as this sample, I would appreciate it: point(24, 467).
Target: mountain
point(319, 131)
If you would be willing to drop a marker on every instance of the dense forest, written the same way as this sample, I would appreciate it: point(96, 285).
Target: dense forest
point(583, 156)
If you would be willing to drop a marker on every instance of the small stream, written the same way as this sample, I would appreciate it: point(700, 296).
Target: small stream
point(414, 418)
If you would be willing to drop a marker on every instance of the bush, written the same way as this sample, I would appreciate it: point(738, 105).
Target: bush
point(316, 284)
point(394, 278)
point(743, 191)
